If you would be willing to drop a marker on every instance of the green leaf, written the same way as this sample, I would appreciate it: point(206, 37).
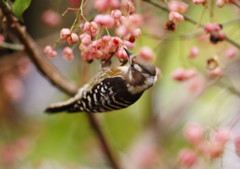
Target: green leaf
point(19, 6)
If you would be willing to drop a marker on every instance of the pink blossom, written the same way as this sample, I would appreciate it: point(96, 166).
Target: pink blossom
point(194, 134)
point(187, 157)
point(199, 1)
point(177, 6)
point(68, 54)
point(175, 17)
point(51, 18)
point(230, 53)
point(104, 20)
point(146, 53)
point(72, 39)
point(91, 28)
point(193, 52)
point(65, 33)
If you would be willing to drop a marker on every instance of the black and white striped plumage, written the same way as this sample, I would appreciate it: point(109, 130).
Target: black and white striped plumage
point(111, 89)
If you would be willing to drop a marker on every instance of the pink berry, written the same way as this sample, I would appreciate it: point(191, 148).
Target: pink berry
point(13, 87)
point(179, 74)
point(104, 20)
point(121, 31)
point(65, 33)
point(237, 145)
point(74, 2)
point(2, 39)
point(230, 53)
point(187, 157)
point(50, 52)
point(136, 33)
point(68, 54)
point(194, 133)
point(195, 85)
point(199, 1)
point(215, 150)
point(128, 44)
point(116, 14)
point(222, 136)
point(47, 49)
point(114, 4)
point(121, 53)
point(177, 6)
point(72, 39)
point(101, 5)
point(220, 3)
point(175, 17)
point(91, 28)
point(217, 72)
point(193, 52)
point(190, 73)
point(51, 18)
point(136, 20)
point(85, 39)
point(104, 5)
point(212, 27)
point(53, 54)
point(146, 53)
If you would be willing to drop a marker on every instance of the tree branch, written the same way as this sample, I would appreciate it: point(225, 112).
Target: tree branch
point(190, 20)
point(52, 74)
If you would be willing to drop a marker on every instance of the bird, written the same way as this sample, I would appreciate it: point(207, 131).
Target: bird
point(111, 89)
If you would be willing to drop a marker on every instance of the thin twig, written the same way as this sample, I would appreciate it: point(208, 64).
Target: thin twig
point(190, 20)
point(12, 46)
point(52, 74)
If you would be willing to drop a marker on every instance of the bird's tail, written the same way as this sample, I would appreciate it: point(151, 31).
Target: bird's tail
point(60, 107)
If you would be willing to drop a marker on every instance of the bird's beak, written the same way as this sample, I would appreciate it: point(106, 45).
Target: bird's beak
point(128, 53)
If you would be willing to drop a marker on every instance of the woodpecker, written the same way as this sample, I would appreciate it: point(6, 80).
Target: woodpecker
point(111, 89)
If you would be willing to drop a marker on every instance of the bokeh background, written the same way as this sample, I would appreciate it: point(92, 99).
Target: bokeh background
point(148, 134)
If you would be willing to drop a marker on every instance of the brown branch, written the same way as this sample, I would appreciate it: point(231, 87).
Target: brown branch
point(52, 74)
point(36, 55)
point(190, 20)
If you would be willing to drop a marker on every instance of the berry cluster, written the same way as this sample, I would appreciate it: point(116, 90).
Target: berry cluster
point(91, 36)
point(211, 146)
